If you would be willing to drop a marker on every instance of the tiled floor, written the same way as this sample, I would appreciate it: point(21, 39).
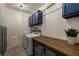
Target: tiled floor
point(19, 51)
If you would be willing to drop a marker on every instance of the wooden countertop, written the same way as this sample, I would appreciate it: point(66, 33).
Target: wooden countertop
point(59, 45)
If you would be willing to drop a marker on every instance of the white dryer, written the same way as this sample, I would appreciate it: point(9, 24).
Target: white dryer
point(28, 42)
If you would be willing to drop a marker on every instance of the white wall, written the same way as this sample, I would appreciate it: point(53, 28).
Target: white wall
point(54, 24)
point(17, 24)
point(1, 21)
point(2, 11)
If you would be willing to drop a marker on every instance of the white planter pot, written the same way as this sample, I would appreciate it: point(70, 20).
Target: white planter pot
point(72, 40)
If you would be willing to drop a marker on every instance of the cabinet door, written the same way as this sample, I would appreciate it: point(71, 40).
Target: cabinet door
point(36, 18)
point(70, 9)
point(42, 50)
point(39, 49)
point(49, 52)
point(39, 17)
point(33, 19)
point(29, 21)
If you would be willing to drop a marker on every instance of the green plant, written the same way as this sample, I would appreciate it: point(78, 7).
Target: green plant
point(71, 32)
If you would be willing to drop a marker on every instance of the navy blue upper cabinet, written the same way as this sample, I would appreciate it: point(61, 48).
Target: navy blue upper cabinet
point(36, 18)
point(70, 10)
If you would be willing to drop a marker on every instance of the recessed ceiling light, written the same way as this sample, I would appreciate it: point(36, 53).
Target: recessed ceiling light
point(21, 5)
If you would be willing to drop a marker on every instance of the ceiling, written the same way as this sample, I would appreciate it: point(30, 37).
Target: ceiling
point(25, 7)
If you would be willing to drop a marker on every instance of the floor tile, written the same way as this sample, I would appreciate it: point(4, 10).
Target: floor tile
point(18, 51)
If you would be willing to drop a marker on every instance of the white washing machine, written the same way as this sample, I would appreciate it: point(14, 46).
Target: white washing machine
point(28, 42)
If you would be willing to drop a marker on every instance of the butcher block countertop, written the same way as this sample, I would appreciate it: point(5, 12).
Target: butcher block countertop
point(59, 45)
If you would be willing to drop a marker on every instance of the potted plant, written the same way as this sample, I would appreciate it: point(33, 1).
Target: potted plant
point(72, 35)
